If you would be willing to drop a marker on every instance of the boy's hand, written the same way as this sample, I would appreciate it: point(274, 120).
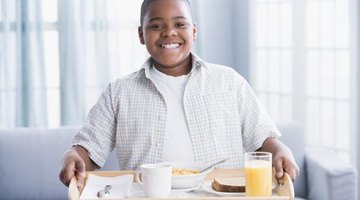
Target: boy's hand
point(284, 161)
point(72, 165)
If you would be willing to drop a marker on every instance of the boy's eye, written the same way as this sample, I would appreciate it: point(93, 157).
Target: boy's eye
point(155, 27)
point(180, 25)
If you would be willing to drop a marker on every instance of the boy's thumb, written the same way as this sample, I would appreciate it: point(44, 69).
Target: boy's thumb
point(79, 173)
point(80, 179)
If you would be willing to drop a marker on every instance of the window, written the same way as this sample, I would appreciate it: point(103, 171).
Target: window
point(302, 66)
point(272, 56)
point(112, 50)
point(113, 29)
point(51, 54)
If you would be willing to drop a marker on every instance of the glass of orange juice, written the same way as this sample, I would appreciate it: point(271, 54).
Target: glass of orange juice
point(258, 174)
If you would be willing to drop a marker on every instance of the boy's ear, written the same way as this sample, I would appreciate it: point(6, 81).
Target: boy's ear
point(194, 32)
point(141, 35)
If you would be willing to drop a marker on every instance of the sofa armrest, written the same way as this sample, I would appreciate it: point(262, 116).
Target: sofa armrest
point(329, 177)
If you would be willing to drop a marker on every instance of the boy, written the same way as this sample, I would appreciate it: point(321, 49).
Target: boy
point(177, 107)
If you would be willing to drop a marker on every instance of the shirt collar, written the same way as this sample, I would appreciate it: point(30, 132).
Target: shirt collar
point(197, 63)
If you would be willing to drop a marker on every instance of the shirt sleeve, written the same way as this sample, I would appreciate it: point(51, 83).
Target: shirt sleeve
point(257, 125)
point(97, 135)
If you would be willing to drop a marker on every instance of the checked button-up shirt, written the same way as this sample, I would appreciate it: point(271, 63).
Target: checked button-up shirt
point(224, 118)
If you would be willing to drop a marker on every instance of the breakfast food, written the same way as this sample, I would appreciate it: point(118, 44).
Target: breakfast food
point(234, 184)
point(183, 171)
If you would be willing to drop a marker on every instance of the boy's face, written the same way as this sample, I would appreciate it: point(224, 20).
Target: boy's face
point(168, 33)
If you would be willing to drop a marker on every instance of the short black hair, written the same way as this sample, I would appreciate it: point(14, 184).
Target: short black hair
point(145, 5)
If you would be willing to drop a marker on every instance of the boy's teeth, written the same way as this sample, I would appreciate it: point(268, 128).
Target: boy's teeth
point(170, 46)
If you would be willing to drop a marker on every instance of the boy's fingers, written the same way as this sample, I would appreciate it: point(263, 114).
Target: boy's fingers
point(278, 164)
point(293, 173)
point(80, 172)
point(79, 179)
point(67, 173)
point(80, 166)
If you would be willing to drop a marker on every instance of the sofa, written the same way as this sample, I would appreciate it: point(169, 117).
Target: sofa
point(31, 161)
point(323, 175)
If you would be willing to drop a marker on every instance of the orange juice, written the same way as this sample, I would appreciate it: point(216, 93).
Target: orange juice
point(258, 178)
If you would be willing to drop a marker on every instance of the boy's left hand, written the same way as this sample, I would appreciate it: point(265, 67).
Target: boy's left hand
point(284, 161)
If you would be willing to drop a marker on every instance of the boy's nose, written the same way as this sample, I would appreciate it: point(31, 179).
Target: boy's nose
point(169, 32)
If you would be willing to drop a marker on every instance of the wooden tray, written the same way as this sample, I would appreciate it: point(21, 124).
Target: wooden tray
point(283, 192)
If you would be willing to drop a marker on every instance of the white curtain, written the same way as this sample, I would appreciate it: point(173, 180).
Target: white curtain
point(72, 46)
point(98, 43)
point(22, 72)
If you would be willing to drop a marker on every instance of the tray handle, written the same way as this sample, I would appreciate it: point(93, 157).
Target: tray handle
point(286, 189)
point(74, 193)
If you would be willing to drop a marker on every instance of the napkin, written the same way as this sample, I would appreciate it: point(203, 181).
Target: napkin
point(121, 186)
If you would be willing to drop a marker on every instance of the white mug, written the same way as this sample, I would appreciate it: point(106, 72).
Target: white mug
point(155, 179)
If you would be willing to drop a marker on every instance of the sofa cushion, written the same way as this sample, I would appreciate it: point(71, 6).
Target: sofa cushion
point(31, 162)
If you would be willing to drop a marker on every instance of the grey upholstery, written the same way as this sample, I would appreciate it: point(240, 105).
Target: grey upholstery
point(31, 158)
point(324, 176)
point(31, 161)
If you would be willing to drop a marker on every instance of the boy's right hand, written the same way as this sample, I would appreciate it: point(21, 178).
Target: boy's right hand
point(72, 165)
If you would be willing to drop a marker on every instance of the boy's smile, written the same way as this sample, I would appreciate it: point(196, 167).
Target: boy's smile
point(170, 46)
point(168, 33)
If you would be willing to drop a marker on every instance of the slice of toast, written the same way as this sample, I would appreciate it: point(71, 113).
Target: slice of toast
point(234, 184)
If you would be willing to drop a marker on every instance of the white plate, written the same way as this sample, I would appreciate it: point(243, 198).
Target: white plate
point(207, 187)
point(186, 189)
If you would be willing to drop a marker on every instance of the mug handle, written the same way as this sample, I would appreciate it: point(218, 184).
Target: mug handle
point(137, 177)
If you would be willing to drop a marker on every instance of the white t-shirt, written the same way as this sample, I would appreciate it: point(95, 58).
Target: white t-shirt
point(177, 144)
